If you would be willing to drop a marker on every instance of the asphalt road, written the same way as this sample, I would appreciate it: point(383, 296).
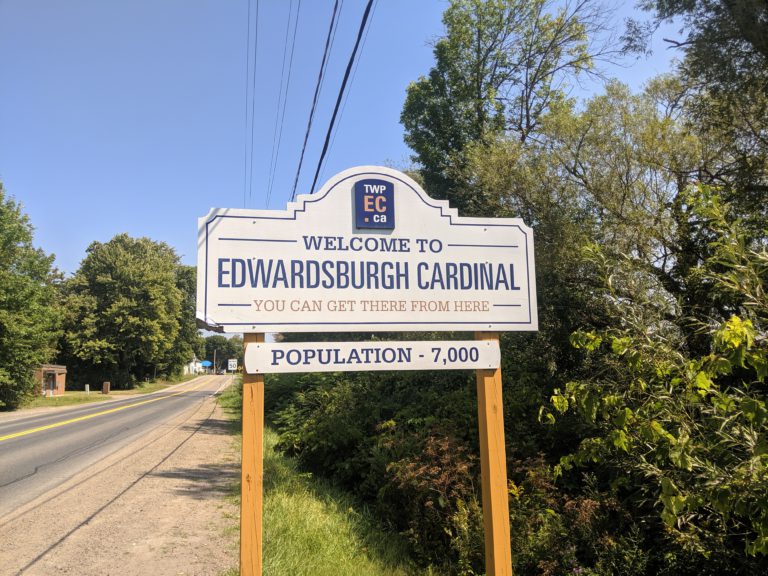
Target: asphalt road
point(39, 452)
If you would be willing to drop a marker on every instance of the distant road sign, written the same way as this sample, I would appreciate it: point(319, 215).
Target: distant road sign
point(232, 364)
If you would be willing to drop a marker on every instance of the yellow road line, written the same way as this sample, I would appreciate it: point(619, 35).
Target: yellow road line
point(94, 415)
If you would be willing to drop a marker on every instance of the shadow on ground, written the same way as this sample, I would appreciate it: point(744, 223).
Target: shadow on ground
point(204, 482)
point(207, 480)
point(217, 426)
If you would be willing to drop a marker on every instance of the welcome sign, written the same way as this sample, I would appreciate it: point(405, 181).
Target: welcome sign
point(369, 252)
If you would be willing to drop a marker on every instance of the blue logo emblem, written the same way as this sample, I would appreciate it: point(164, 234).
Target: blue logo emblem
point(375, 204)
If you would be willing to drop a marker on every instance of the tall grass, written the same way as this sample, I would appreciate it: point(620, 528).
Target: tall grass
point(314, 529)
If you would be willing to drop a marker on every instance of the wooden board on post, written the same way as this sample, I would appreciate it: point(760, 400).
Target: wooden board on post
point(493, 469)
point(252, 474)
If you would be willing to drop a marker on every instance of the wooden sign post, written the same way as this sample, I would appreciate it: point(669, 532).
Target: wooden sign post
point(369, 252)
point(493, 469)
point(252, 473)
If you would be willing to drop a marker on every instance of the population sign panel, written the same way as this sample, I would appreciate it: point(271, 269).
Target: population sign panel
point(368, 252)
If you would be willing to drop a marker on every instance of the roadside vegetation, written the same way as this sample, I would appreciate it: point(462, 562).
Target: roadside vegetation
point(66, 399)
point(126, 316)
point(71, 398)
point(636, 423)
point(311, 527)
point(30, 320)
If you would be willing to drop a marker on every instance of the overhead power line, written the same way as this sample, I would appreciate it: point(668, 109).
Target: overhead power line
point(314, 100)
point(253, 97)
point(285, 104)
point(341, 91)
point(247, 72)
point(280, 100)
point(333, 40)
point(351, 84)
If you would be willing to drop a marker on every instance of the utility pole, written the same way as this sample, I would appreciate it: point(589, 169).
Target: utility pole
point(214, 360)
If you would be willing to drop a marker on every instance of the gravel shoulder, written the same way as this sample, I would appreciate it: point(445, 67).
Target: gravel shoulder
point(158, 506)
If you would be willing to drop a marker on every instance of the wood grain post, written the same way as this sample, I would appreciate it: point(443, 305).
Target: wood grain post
point(493, 469)
point(252, 474)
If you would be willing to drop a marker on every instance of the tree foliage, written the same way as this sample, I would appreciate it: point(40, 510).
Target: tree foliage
point(188, 343)
point(688, 434)
point(124, 312)
point(219, 349)
point(29, 315)
point(635, 419)
point(500, 67)
point(725, 42)
point(649, 262)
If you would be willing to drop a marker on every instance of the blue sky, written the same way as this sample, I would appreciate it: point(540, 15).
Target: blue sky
point(130, 115)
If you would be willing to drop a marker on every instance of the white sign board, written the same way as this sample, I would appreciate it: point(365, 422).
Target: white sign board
point(267, 358)
point(369, 252)
point(232, 364)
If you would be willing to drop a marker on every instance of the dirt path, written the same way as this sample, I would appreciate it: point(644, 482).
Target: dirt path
point(155, 507)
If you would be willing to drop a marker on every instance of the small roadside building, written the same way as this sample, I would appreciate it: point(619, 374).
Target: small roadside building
point(50, 380)
point(193, 367)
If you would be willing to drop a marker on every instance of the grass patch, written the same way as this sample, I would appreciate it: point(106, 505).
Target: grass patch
point(231, 401)
point(72, 397)
point(312, 528)
point(66, 399)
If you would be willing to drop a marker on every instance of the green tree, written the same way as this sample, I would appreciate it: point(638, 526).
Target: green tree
point(29, 316)
point(188, 343)
point(616, 172)
point(500, 67)
point(685, 435)
point(612, 177)
point(725, 42)
point(221, 349)
point(123, 310)
point(725, 66)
